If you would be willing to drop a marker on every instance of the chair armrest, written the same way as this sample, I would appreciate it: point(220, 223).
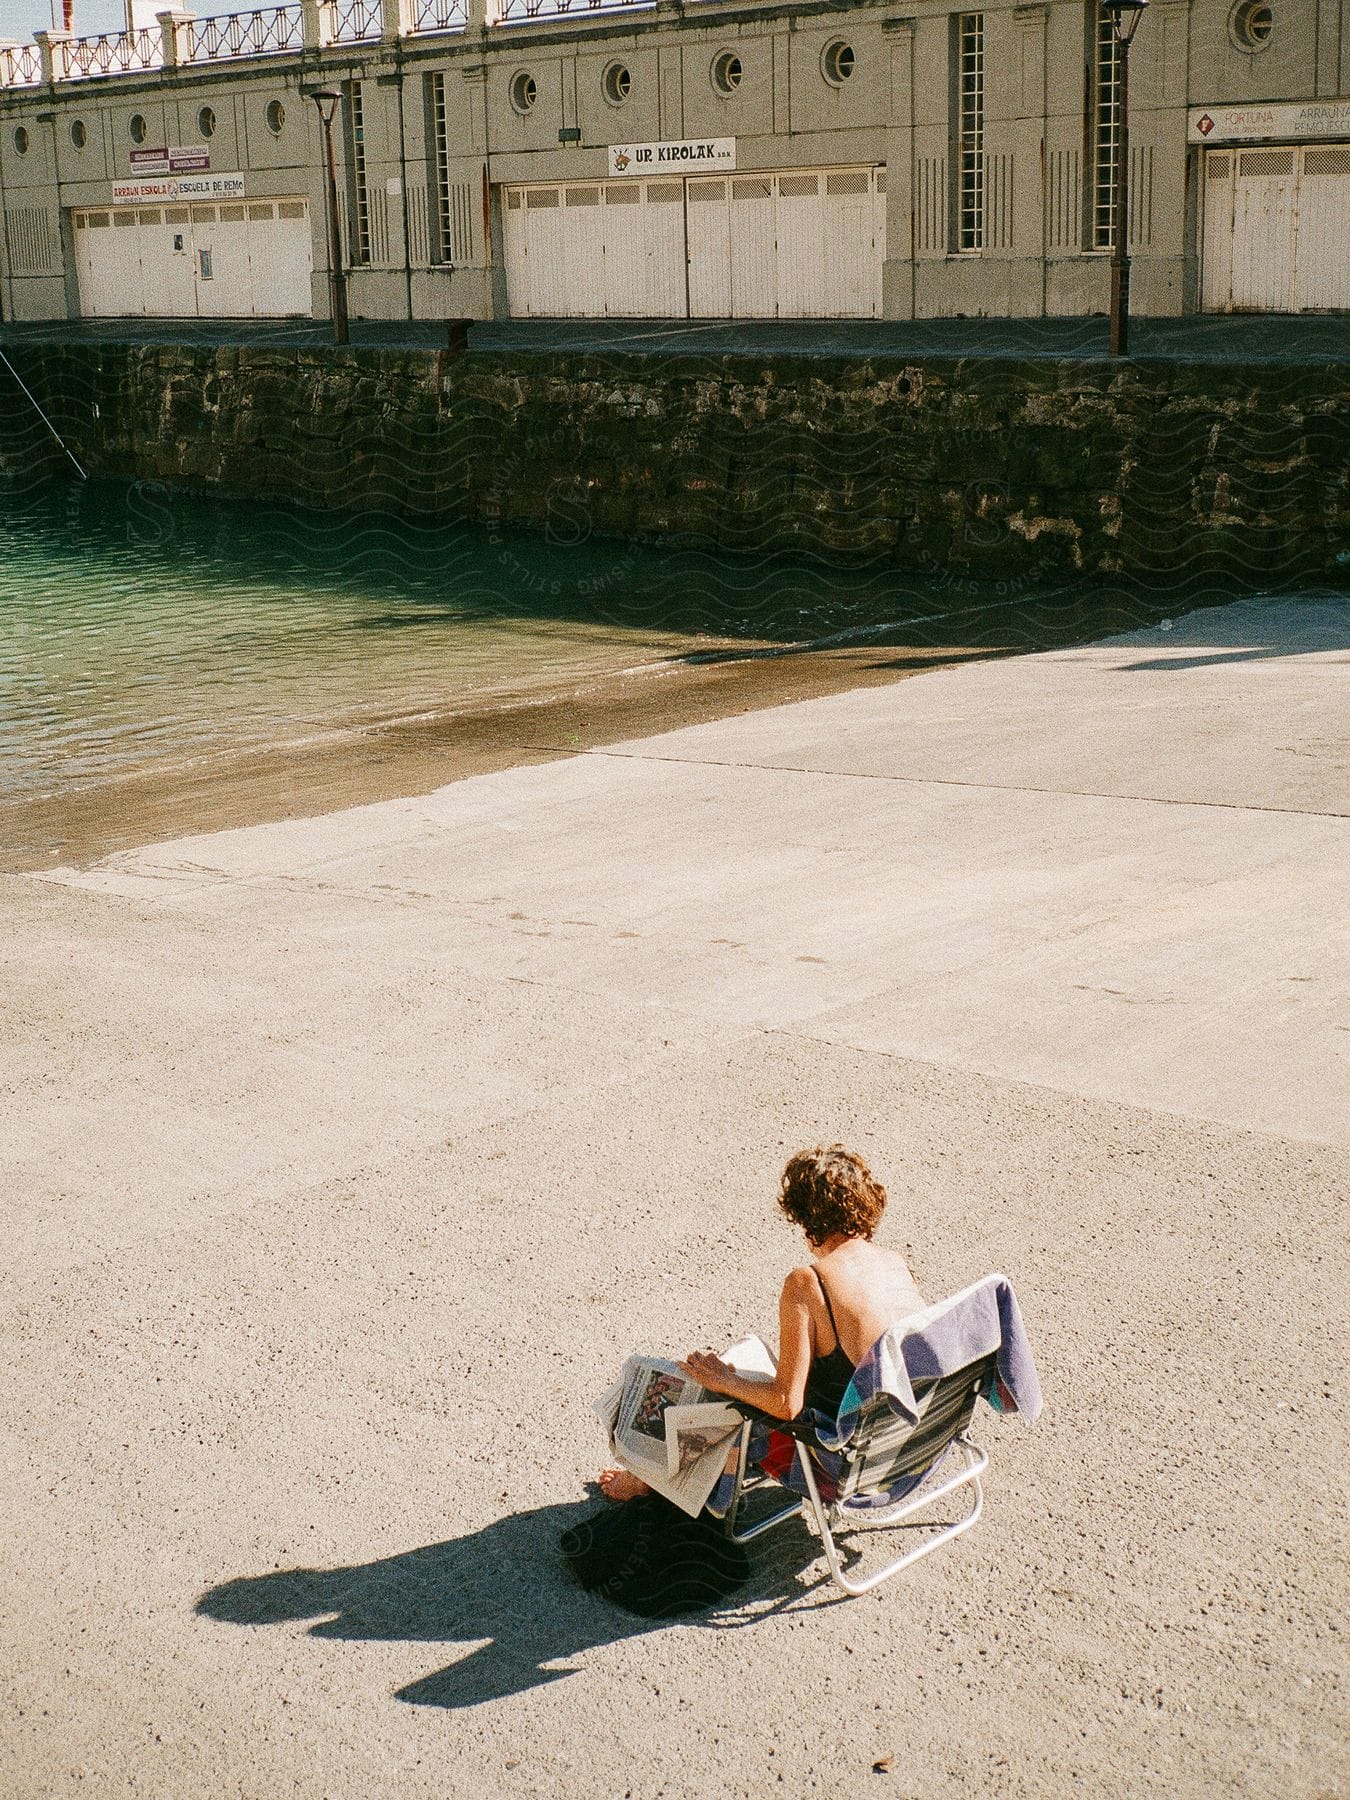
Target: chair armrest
point(794, 1428)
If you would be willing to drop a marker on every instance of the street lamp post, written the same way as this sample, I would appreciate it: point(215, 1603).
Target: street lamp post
point(1124, 17)
point(328, 100)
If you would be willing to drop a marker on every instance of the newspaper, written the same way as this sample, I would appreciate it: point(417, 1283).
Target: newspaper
point(670, 1431)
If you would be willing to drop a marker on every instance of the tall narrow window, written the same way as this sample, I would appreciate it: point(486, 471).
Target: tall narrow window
point(360, 192)
point(442, 225)
point(970, 131)
point(1104, 118)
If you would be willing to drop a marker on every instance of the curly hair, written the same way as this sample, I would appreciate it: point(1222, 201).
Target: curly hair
point(830, 1189)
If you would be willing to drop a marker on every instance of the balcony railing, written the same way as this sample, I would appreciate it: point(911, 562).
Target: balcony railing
point(259, 33)
point(20, 65)
point(557, 9)
point(439, 15)
point(115, 53)
point(265, 31)
point(354, 21)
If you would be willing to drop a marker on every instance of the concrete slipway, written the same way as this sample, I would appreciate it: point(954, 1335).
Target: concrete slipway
point(346, 1158)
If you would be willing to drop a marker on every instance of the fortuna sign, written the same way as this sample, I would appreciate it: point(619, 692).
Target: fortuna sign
point(1256, 124)
point(179, 187)
point(680, 155)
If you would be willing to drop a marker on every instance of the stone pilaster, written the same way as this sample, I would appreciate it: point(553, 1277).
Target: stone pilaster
point(174, 36)
point(51, 47)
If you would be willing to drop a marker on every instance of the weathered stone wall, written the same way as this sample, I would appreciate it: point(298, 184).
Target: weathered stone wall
point(1000, 468)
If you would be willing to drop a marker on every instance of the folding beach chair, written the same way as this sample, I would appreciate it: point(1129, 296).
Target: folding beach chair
point(906, 1411)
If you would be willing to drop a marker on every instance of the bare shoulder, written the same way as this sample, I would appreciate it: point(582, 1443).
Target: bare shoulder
point(799, 1285)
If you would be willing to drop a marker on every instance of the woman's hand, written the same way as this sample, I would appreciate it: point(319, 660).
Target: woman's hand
point(708, 1371)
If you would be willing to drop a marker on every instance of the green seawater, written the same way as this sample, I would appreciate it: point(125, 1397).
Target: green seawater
point(140, 627)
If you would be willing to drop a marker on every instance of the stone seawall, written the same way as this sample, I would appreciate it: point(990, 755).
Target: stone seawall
point(1000, 468)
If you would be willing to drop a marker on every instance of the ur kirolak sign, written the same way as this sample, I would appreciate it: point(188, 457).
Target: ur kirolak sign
point(677, 156)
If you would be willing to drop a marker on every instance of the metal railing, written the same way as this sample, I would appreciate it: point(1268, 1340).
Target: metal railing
point(114, 53)
point(558, 9)
point(264, 31)
point(260, 33)
point(353, 21)
point(439, 15)
point(20, 65)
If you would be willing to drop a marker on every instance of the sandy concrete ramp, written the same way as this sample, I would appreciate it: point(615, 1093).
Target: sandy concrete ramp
point(345, 1159)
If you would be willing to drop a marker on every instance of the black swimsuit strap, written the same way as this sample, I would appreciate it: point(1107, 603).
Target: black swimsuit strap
point(825, 1296)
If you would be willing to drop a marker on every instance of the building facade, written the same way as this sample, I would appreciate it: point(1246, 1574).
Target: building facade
point(825, 159)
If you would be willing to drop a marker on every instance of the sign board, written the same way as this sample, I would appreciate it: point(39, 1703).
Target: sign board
point(171, 159)
point(679, 156)
point(178, 187)
point(1290, 123)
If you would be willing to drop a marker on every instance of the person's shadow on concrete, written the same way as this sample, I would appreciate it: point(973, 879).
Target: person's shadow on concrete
point(507, 1584)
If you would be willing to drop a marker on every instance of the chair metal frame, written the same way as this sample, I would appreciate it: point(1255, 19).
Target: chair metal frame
point(835, 1517)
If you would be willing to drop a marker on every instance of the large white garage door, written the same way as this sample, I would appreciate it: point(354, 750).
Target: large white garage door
point(1277, 222)
point(808, 245)
point(239, 259)
point(805, 245)
point(594, 250)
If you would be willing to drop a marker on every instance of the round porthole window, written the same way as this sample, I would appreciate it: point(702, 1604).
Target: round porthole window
point(21, 139)
point(1251, 24)
point(617, 84)
point(79, 134)
point(275, 116)
point(206, 121)
point(727, 72)
point(136, 129)
point(837, 63)
point(524, 92)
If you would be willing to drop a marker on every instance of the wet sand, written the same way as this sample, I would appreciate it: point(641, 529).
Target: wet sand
point(344, 768)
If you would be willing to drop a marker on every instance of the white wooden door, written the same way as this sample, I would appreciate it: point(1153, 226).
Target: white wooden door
point(280, 254)
point(664, 280)
point(802, 277)
point(546, 251)
point(514, 245)
point(1322, 271)
point(801, 245)
point(1264, 228)
point(854, 245)
point(709, 215)
point(754, 253)
point(1216, 273)
point(118, 291)
point(232, 271)
point(625, 252)
point(167, 262)
point(91, 258)
point(583, 250)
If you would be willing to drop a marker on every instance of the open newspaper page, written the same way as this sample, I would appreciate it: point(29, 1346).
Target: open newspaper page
point(671, 1432)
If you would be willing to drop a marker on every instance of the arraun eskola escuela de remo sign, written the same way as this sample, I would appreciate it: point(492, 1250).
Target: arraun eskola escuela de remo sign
point(179, 187)
point(1285, 121)
point(680, 156)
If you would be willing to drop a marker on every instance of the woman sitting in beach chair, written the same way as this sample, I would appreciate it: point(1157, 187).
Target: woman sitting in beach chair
point(870, 1391)
point(831, 1310)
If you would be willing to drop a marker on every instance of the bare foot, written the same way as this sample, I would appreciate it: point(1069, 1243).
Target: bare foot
point(618, 1484)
